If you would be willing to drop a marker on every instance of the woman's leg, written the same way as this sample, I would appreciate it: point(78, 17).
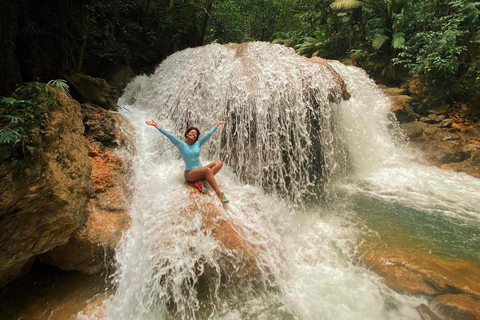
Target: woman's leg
point(215, 166)
point(204, 173)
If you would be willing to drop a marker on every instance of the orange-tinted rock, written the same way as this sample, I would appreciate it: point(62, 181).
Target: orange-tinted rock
point(105, 227)
point(421, 273)
point(335, 95)
point(226, 232)
point(459, 306)
point(95, 309)
point(427, 313)
point(447, 147)
point(91, 249)
point(103, 163)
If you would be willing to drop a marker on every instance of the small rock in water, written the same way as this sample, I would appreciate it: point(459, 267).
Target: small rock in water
point(446, 123)
point(427, 313)
point(433, 118)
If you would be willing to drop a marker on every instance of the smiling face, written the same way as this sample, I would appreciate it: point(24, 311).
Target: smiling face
point(192, 134)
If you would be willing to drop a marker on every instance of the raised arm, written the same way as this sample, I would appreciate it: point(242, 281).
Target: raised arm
point(167, 133)
point(207, 135)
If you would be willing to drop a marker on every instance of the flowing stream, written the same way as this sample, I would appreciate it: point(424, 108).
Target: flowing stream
point(314, 180)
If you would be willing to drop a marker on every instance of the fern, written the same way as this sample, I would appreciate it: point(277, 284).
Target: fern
point(59, 83)
point(19, 115)
point(9, 136)
point(12, 101)
point(14, 119)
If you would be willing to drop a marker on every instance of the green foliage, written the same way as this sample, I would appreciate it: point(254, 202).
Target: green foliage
point(20, 116)
point(309, 46)
point(346, 4)
point(438, 40)
point(246, 20)
point(379, 40)
point(60, 84)
point(442, 40)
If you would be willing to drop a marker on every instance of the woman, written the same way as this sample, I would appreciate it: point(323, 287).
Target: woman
point(190, 152)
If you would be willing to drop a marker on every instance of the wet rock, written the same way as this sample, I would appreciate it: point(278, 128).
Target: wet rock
point(402, 109)
point(446, 123)
point(440, 109)
point(433, 118)
point(449, 144)
point(335, 94)
point(99, 124)
point(392, 91)
point(229, 235)
point(459, 306)
point(426, 313)
point(454, 283)
point(414, 130)
point(470, 165)
point(94, 308)
point(43, 200)
point(94, 90)
point(421, 273)
point(401, 104)
point(450, 136)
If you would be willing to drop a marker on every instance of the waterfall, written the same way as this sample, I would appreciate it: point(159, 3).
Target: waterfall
point(293, 134)
point(280, 111)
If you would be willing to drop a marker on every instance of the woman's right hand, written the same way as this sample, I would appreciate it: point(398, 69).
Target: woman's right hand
point(152, 123)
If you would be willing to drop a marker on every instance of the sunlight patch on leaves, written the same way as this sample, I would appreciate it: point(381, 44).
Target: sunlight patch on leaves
point(345, 4)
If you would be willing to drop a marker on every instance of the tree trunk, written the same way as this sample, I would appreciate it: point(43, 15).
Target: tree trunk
point(86, 28)
point(203, 32)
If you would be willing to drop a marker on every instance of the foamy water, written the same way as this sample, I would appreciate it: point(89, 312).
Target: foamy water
point(307, 257)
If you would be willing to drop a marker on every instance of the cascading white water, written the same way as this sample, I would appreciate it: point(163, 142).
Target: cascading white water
point(278, 106)
point(383, 165)
point(289, 131)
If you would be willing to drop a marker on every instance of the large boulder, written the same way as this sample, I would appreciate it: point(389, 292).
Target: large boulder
point(455, 283)
point(229, 235)
point(94, 90)
point(91, 249)
point(447, 144)
point(458, 306)
point(43, 198)
point(401, 103)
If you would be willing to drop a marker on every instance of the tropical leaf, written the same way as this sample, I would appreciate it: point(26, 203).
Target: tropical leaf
point(7, 136)
point(319, 35)
point(346, 4)
point(12, 101)
point(59, 83)
point(14, 119)
point(379, 41)
point(398, 41)
point(9, 100)
point(280, 35)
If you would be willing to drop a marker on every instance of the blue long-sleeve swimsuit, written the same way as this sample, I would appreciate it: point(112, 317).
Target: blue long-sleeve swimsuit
point(190, 153)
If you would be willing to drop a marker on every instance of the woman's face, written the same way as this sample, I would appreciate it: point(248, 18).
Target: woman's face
point(192, 134)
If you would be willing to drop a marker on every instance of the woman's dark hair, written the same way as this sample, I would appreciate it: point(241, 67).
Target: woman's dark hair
point(190, 129)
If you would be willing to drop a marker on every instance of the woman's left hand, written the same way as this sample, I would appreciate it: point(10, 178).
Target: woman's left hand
point(219, 122)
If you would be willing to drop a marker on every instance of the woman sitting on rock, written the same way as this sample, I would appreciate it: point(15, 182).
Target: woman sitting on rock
point(190, 152)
